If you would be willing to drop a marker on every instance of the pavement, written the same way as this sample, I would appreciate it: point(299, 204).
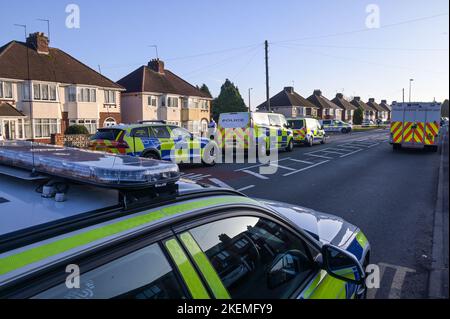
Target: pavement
point(390, 195)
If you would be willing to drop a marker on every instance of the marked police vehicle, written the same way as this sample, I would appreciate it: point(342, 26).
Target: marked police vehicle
point(131, 228)
point(156, 140)
point(241, 130)
point(307, 131)
point(336, 126)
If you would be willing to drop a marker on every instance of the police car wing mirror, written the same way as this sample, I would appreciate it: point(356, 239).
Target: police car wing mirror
point(342, 264)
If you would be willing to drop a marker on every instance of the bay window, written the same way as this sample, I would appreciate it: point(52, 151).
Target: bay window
point(172, 102)
point(72, 94)
point(152, 101)
point(90, 124)
point(87, 95)
point(44, 92)
point(6, 90)
point(44, 128)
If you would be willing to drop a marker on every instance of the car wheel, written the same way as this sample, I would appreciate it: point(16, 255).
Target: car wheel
point(396, 147)
point(151, 155)
point(344, 131)
point(311, 141)
point(290, 146)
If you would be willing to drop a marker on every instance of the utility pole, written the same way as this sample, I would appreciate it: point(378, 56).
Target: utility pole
point(266, 46)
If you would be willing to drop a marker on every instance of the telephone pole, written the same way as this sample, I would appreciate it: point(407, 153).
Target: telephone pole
point(266, 46)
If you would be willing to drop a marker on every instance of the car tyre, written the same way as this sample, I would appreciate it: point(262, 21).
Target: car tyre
point(311, 141)
point(151, 155)
point(290, 146)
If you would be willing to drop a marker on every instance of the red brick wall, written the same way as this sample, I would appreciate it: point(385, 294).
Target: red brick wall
point(105, 115)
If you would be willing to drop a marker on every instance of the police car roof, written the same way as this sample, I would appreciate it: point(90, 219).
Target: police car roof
point(134, 125)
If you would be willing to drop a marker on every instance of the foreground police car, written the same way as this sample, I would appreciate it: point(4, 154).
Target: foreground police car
point(132, 229)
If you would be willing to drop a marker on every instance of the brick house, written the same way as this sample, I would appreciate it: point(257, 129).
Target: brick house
point(348, 109)
point(387, 108)
point(327, 110)
point(50, 91)
point(380, 112)
point(155, 93)
point(290, 104)
point(368, 112)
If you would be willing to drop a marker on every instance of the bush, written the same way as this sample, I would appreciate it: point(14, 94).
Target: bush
point(76, 129)
point(358, 116)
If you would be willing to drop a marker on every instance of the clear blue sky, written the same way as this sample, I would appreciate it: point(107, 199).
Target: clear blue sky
point(376, 63)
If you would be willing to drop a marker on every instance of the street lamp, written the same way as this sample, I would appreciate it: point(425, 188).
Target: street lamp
point(249, 99)
point(410, 84)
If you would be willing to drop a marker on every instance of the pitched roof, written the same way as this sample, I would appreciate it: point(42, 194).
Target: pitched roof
point(145, 79)
point(287, 97)
point(8, 110)
point(375, 106)
point(321, 101)
point(340, 101)
point(385, 106)
point(359, 103)
point(57, 66)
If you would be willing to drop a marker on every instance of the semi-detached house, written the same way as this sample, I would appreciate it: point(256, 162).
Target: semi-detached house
point(43, 90)
point(155, 93)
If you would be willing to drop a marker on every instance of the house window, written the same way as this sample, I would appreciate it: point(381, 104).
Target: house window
point(86, 95)
point(37, 91)
point(204, 105)
point(172, 102)
point(152, 101)
point(52, 91)
point(5, 90)
point(109, 122)
point(195, 103)
point(44, 128)
point(72, 94)
point(90, 124)
point(26, 91)
point(185, 103)
point(44, 92)
point(110, 97)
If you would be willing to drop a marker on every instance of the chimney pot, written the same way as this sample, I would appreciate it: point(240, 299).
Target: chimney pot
point(39, 42)
point(340, 96)
point(357, 98)
point(372, 100)
point(156, 65)
point(384, 101)
point(317, 92)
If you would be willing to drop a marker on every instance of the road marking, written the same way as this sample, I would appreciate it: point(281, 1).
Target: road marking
point(322, 156)
point(284, 167)
point(373, 145)
point(245, 188)
point(332, 152)
point(397, 282)
point(300, 161)
point(345, 155)
point(261, 164)
point(220, 183)
point(255, 174)
point(306, 168)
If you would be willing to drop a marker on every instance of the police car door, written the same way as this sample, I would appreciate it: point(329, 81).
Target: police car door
point(276, 130)
point(166, 143)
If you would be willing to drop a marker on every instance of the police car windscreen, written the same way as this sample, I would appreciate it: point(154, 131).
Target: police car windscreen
point(106, 134)
point(233, 120)
point(296, 124)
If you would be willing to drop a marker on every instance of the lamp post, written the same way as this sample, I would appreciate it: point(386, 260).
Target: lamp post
point(410, 84)
point(249, 99)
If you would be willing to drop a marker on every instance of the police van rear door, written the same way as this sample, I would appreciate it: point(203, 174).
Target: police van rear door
point(432, 123)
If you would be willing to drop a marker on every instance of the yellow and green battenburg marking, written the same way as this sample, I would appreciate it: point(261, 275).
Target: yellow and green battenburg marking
point(39, 253)
point(210, 274)
point(186, 269)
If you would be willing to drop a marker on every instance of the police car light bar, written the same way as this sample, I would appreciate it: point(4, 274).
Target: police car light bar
point(100, 169)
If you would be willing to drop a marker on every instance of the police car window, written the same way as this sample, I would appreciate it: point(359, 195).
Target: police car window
point(297, 124)
point(178, 131)
point(260, 118)
point(254, 257)
point(275, 120)
point(143, 274)
point(140, 132)
point(161, 132)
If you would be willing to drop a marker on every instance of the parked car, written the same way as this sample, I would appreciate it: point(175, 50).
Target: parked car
point(307, 131)
point(336, 126)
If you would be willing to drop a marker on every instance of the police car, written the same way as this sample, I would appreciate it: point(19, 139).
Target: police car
point(156, 140)
point(76, 224)
point(307, 131)
point(336, 126)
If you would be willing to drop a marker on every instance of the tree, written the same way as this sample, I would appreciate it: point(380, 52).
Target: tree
point(204, 88)
point(229, 100)
point(358, 116)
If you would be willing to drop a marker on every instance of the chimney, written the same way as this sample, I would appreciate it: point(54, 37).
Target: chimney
point(384, 101)
point(372, 100)
point(357, 98)
point(317, 92)
point(39, 42)
point(340, 96)
point(156, 65)
point(289, 89)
